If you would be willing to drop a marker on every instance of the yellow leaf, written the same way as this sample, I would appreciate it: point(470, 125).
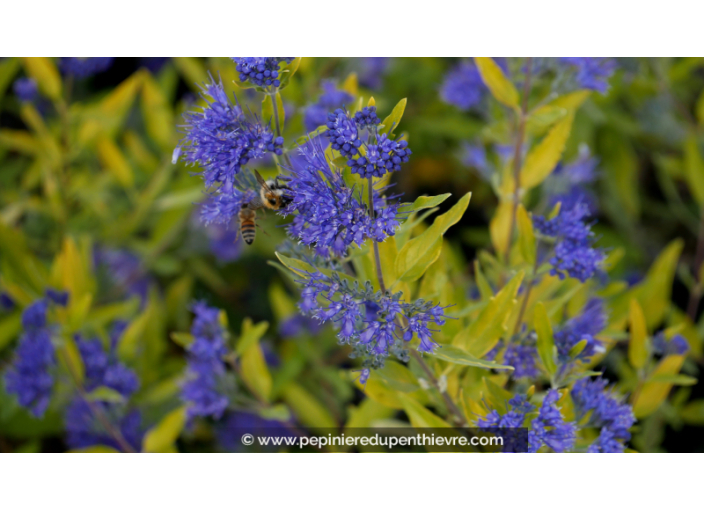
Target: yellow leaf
point(306, 407)
point(112, 158)
point(157, 112)
point(649, 398)
point(350, 84)
point(255, 373)
point(421, 417)
point(637, 347)
point(546, 341)
point(45, 74)
point(500, 86)
point(543, 158)
point(500, 227)
point(162, 436)
point(526, 237)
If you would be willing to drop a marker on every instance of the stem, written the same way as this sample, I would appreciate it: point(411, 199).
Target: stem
point(279, 127)
point(97, 412)
point(518, 149)
point(524, 305)
point(451, 406)
point(696, 293)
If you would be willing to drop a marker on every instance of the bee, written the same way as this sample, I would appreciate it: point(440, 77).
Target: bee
point(248, 217)
point(273, 193)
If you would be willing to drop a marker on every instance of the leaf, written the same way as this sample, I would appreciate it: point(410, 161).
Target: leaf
point(192, 70)
point(307, 409)
point(105, 394)
point(287, 72)
point(10, 327)
point(500, 226)
point(677, 379)
point(526, 237)
point(421, 417)
point(458, 356)
point(694, 168)
point(653, 393)
point(398, 377)
point(255, 373)
point(501, 87)
point(391, 122)
point(98, 448)
point(638, 346)
point(163, 435)
point(419, 253)
point(157, 113)
point(112, 158)
point(267, 109)
point(577, 348)
point(182, 339)
point(250, 334)
point(388, 253)
point(350, 84)
point(280, 111)
point(426, 202)
point(546, 341)
point(45, 74)
point(693, 413)
point(543, 158)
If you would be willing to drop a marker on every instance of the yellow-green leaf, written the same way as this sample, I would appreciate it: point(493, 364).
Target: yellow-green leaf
point(421, 417)
point(105, 394)
point(112, 158)
point(694, 168)
point(250, 334)
point(638, 346)
point(653, 393)
point(501, 87)
point(543, 158)
point(46, 75)
point(163, 435)
point(392, 121)
point(157, 112)
point(255, 373)
point(453, 354)
point(546, 341)
point(526, 237)
point(306, 407)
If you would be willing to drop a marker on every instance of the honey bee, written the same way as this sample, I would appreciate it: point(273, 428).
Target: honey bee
point(273, 194)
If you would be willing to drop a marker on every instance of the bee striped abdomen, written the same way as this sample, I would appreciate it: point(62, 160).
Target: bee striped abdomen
point(247, 224)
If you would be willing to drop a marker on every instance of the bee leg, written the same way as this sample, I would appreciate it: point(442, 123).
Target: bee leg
point(262, 230)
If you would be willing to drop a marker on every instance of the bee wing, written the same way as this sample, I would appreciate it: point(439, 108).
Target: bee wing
point(255, 204)
point(262, 182)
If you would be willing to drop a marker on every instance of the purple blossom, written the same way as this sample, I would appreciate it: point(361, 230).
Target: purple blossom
point(384, 156)
point(25, 89)
point(677, 345)
point(372, 70)
point(317, 114)
point(261, 71)
point(585, 326)
point(522, 357)
point(592, 72)
point(550, 429)
point(81, 67)
point(342, 132)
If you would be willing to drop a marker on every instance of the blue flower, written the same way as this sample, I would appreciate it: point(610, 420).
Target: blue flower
point(677, 345)
point(317, 115)
point(384, 156)
point(573, 253)
point(262, 71)
point(585, 326)
point(123, 273)
point(568, 183)
point(83, 429)
point(298, 324)
point(475, 156)
point(367, 118)
point(463, 86)
point(608, 413)
point(230, 429)
point(25, 89)
point(154, 64)
point(592, 72)
point(204, 389)
point(328, 215)
point(372, 70)
point(58, 297)
point(224, 205)
point(522, 357)
point(550, 429)
point(6, 302)
point(342, 132)
point(221, 139)
point(104, 369)
point(83, 67)
point(515, 440)
point(30, 375)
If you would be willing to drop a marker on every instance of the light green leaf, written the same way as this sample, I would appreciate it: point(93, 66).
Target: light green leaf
point(638, 346)
point(398, 377)
point(288, 71)
point(426, 202)
point(157, 112)
point(546, 341)
point(105, 394)
point(543, 158)
point(501, 87)
point(676, 379)
point(306, 407)
point(114, 161)
point(526, 237)
point(163, 435)
point(419, 253)
point(458, 356)
point(250, 334)
point(46, 75)
point(577, 348)
point(392, 121)
point(421, 417)
point(255, 373)
point(267, 109)
point(653, 393)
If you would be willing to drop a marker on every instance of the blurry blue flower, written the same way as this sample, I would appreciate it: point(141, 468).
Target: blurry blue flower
point(25, 89)
point(81, 67)
point(475, 156)
point(221, 139)
point(573, 253)
point(608, 412)
point(102, 368)
point(314, 116)
point(29, 376)
point(568, 183)
point(298, 324)
point(463, 86)
point(83, 429)
point(154, 64)
point(372, 70)
point(225, 241)
point(332, 98)
point(550, 429)
point(522, 357)
point(519, 407)
point(384, 156)
point(203, 389)
point(592, 72)
point(329, 215)
point(585, 326)
point(224, 204)
point(123, 272)
point(6, 302)
point(677, 345)
point(58, 297)
point(230, 429)
point(262, 71)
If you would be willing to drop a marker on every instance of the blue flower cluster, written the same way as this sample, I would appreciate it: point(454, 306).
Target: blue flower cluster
point(6, 302)
point(262, 71)
point(608, 413)
point(30, 375)
point(366, 118)
point(205, 388)
point(317, 115)
point(122, 273)
point(677, 345)
point(592, 72)
point(25, 89)
point(221, 139)
point(547, 428)
point(384, 156)
point(329, 215)
point(298, 324)
point(342, 132)
point(372, 70)
point(81, 67)
point(574, 254)
point(585, 326)
point(374, 324)
point(522, 357)
point(568, 184)
point(463, 86)
point(103, 369)
point(224, 204)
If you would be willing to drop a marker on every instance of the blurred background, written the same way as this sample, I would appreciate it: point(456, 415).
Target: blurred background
point(86, 156)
